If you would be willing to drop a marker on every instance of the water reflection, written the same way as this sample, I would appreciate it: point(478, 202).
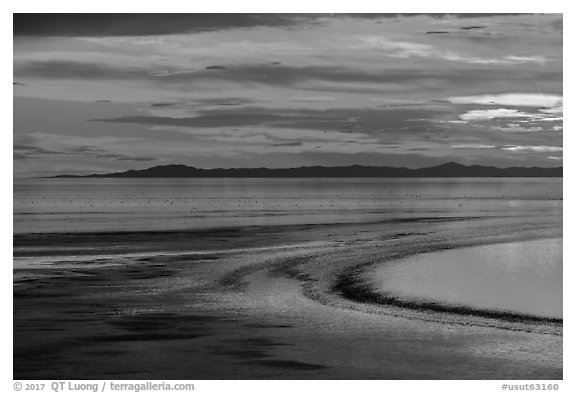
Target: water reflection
point(524, 277)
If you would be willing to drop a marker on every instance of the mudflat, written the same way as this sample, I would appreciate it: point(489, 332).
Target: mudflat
point(275, 302)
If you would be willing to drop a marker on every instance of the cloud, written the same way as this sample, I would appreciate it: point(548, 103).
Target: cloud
point(472, 146)
point(138, 83)
point(259, 140)
point(512, 148)
point(553, 111)
point(488, 114)
point(515, 127)
point(312, 99)
point(101, 25)
point(109, 25)
point(537, 149)
point(135, 159)
point(19, 156)
point(22, 151)
point(162, 104)
point(397, 48)
point(511, 99)
point(288, 144)
point(289, 84)
point(540, 112)
point(208, 120)
point(43, 145)
point(173, 72)
point(367, 120)
point(216, 67)
point(77, 70)
point(506, 60)
point(405, 49)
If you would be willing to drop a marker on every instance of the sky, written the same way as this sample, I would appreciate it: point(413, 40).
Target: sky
point(97, 93)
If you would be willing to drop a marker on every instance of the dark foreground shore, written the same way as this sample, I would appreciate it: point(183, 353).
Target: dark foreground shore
point(262, 303)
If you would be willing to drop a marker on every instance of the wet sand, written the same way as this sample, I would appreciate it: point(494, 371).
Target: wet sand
point(275, 302)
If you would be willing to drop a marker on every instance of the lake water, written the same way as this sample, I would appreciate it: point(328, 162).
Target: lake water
point(86, 205)
point(522, 277)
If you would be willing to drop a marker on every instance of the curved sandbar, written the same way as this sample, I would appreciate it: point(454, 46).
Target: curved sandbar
point(362, 283)
point(273, 307)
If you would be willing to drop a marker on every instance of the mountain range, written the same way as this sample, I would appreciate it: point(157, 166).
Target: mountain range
point(450, 169)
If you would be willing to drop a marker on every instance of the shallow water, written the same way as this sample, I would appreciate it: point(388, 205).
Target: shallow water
point(522, 277)
point(86, 205)
point(222, 294)
point(281, 211)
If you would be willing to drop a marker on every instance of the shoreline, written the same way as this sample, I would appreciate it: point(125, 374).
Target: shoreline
point(352, 284)
point(271, 313)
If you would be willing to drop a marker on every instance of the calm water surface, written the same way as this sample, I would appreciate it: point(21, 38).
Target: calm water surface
point(69, 205)
point(523, 277)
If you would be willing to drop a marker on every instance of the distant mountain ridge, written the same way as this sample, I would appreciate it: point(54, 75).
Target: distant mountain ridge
point(450, 169)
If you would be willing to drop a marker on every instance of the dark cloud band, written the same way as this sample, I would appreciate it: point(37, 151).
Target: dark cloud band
point(100, 25)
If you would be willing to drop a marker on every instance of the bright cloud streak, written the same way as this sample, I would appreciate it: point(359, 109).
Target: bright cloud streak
point(540, 149)
point(487, 114)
